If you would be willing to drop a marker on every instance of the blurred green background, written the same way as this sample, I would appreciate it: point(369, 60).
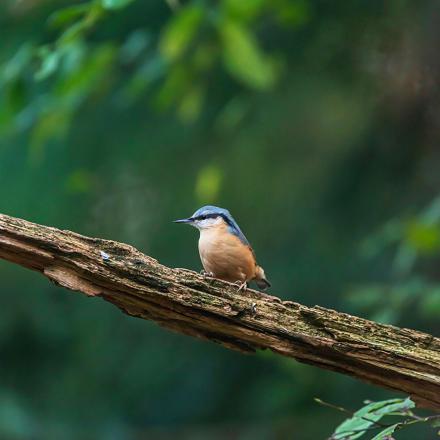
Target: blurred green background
point(315, 123)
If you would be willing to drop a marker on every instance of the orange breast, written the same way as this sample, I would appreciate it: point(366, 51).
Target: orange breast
point(225, 256)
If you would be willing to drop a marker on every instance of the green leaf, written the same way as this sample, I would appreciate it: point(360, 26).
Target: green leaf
point(292, 13)
point(134, 46)
point(149, 72)
point(364, 418)
point(425, 238)
point(115, 4)
point(386, 433)
point(73, 33)
point(88, 76)
point(243, 57)
point(191, 104)
point(74, 55)
point(244, 9)
point(66, 15)
point(17, 64)
point(173, 87)
point(431, 214)
point(180, 32)
point(49, 64)
point(204, 57)
point(386, 407)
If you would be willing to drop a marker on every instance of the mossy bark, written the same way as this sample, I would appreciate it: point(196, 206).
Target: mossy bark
point(184, 301)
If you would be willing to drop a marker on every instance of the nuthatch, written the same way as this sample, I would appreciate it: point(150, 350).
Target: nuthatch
point(224, 250)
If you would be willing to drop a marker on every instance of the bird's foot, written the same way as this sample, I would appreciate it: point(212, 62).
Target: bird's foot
point(206, 274)
point(242, 285)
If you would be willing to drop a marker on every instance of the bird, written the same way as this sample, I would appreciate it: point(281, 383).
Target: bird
point(224, 250)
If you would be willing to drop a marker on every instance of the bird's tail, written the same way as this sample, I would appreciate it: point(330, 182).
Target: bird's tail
point(260, 278)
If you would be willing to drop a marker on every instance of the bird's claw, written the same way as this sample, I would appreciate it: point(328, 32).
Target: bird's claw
point(206, 274)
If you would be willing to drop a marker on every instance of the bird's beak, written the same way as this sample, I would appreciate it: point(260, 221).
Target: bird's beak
point(184, 220)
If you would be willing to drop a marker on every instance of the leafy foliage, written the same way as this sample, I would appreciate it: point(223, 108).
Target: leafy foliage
point(183, 57)
point(366, 420)
point(368, 416)
point(414, 240)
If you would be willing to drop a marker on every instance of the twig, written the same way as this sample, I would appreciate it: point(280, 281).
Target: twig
point(351, 413)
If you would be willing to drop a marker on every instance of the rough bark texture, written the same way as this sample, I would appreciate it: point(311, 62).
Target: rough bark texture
point(184, 301)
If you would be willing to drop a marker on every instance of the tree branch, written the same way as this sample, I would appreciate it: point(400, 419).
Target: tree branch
point(184, 301)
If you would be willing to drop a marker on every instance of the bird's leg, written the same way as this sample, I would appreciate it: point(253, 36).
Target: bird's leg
point(206, 274)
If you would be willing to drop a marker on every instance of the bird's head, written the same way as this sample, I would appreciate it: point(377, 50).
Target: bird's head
point(213, 216)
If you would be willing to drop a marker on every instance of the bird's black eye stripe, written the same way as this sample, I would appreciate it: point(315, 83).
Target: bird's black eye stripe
point(204, 217)
point(224, 217)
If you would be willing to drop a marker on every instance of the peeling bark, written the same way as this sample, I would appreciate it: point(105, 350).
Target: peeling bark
point(181, 300)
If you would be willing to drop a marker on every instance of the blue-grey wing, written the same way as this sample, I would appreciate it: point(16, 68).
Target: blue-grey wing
point(235, 229)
